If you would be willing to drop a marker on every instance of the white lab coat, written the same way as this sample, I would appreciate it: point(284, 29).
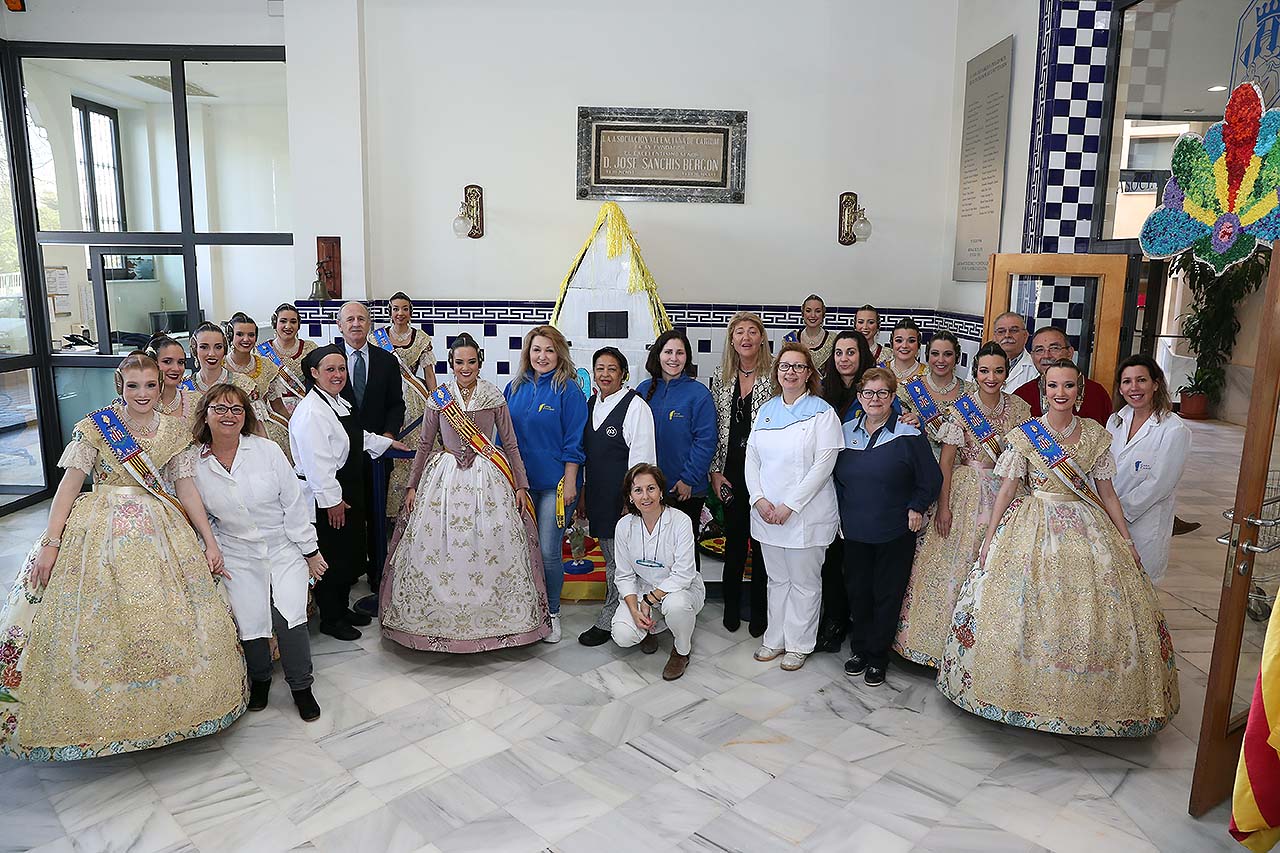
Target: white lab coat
point(1021, 372)
point(263, 522)
point(790, 455)
point(319, 444)
point(1147, 472)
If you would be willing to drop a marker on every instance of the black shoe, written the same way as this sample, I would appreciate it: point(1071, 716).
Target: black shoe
point(367, 606)
point(340, 630)
point(756, 629)
point(308, 708)
point(258, 691)
point(731, 621)
point(855, 665)
point(831, 637)
point(874, 676)
point(1181, 527)
point(358, 619)
point(594, 636)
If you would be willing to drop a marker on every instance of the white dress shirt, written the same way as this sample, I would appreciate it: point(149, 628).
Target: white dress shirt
point(659, 559)
point(320, 447)
point(264, 524)
point(637, 426)
point(1148, 468)
point(1021, 371)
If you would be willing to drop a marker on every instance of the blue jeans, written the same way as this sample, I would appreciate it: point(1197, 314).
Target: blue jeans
point(551, 542)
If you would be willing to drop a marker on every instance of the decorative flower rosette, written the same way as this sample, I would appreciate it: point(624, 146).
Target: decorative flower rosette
point(1223, 199)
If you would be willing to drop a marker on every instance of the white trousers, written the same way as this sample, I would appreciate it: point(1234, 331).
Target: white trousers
point(795, 597)
point(679, 613)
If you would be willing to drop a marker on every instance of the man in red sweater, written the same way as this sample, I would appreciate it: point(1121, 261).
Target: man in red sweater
point(1049, 344)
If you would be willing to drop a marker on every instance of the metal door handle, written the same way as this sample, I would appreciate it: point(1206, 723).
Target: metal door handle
point(1230, 515)
point(1265, 549)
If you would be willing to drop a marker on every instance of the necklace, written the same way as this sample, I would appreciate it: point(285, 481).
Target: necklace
point(397, 338)
point(232, 364)
point(746, 372)
point(989, 412)
point(817, 341)
point(912, 371)
point(172, 407)
point(467, 393)
point(1061, 436)
point(201, 385)
point(928, 380)
point(139, 428)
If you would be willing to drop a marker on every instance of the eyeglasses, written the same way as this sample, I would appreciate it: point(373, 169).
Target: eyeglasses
point(788, 367)
point(1001, 331)
point(1051, 349)
point(875, 394)
point(220, 409)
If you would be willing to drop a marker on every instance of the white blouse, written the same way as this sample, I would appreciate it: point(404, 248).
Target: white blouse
point(659, 559)
point(319, 444)
point(637, 426)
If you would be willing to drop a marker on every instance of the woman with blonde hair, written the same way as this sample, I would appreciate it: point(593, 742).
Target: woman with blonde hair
point(740, 386)
point(549, 413)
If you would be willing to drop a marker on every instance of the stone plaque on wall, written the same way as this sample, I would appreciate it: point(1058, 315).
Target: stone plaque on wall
point(638, 154)
point(983, 141)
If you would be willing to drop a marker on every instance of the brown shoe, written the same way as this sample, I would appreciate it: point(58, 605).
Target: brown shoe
point(676, 665)
point(1181, 527)
point(649, 644)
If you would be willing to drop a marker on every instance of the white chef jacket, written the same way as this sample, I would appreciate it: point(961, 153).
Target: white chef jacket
point(1021, 371)
point(1147, 472)
point(670, 543)
point(637, 426)
point(790, 455)
point(263, 523)
point(320, 447)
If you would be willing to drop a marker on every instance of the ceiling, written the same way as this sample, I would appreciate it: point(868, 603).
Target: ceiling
point(228, 82)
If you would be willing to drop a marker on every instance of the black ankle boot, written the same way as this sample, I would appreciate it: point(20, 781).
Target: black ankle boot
point(258, 692)
point(831, 637)
point(308, 708)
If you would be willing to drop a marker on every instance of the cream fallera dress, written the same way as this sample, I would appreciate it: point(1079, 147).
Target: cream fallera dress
point(413, 355)
point(131, 646)
point(1060, 630)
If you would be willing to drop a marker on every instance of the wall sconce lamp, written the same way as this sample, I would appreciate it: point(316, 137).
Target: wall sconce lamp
point(854, 227)
point(470, 219)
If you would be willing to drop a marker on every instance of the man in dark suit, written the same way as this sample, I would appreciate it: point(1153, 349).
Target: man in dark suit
point(375, 392)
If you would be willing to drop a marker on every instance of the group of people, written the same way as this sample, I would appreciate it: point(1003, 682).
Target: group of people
point(980, 528)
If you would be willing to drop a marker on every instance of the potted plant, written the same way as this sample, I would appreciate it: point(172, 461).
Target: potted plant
point(1211, 325)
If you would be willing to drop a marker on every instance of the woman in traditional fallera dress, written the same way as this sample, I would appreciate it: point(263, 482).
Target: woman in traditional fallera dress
point(813, 334)
point(268, 389)
point(903, 355)
point(930, 394)
point(286, 350)
point(209, 352)
point(951, 542)
point(413, 348)
point(1058, 628)
point(114, 638)
point(464, 573)
point(174, 399)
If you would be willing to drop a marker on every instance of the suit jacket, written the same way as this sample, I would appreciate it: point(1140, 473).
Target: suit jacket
point(383, 409)
point(722, 393)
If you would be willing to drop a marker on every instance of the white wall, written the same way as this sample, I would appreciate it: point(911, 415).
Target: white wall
point(982, 24)
point(146, 22)
point(840, 96)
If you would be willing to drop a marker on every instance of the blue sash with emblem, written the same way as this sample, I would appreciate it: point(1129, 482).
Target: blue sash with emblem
point(382, 339)
point(267, 351)
point(132, 457)
point(985, 434)
point(189, 385)
point(1060, 462)
point(928, 410)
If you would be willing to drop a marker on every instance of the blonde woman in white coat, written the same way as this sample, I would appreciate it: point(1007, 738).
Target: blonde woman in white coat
point(1150, 444)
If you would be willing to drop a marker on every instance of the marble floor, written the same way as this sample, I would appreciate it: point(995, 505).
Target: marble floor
point(569, 748)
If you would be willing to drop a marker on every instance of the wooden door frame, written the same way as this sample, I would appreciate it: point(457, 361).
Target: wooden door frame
point(1110, 272)
point(1220, 735)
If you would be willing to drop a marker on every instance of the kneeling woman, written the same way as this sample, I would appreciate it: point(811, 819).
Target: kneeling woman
point(264, 525)
point(655, 574)
point(464, 572)
point(114, 637)
point(1058, 627)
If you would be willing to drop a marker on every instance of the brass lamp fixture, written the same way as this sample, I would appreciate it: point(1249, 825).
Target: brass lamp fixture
point(853, 226)
point(470, 219)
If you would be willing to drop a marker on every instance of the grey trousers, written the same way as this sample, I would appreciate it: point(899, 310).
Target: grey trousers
point(605, 620)
point(295, 653)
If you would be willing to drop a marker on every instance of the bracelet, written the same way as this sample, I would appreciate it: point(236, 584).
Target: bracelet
point(45, 540)
point(312, 554)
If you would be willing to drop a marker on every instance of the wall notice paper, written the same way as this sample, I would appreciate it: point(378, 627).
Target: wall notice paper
point(57, 286)
point(983, 140)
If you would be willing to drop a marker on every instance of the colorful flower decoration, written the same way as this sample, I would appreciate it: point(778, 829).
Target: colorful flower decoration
point(1223, 199)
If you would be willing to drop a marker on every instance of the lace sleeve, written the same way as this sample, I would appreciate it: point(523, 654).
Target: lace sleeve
point(277, 389)
point(80, 453)
point(182, 466)
point(1011, 465)
point(1104, 468)
point(950, 432)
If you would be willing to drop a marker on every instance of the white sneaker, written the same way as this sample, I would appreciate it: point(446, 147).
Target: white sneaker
point(554, 636)
point(793, 661)
point(764, 653)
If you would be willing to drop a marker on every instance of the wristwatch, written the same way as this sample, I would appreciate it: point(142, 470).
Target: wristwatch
point(45, 540)
point(312, 554)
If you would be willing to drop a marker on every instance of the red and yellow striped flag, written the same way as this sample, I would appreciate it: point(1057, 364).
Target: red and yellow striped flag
point(1255, 804)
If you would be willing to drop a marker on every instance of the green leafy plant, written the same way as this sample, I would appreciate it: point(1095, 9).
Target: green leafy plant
point(1211, 325)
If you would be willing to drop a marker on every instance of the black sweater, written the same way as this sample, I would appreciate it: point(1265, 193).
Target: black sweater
point(875, 487)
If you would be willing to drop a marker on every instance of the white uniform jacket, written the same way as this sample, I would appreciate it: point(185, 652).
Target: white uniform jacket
point(1021, 371)
point(263, 522)
point(790, 455)
point(1147, 472)
point(319, 444)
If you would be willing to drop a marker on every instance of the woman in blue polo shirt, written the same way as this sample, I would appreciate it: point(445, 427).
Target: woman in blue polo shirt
point(684, 421)
point(886, 477)
point(549, 413)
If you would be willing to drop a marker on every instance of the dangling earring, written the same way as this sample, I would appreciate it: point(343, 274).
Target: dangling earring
point(1079, 403)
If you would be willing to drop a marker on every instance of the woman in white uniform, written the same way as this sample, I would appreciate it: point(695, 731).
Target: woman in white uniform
point(790, 454)
point(1150, 445)
point(263, 524)
point(655, 573)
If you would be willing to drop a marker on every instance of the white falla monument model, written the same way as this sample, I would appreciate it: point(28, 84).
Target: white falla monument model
point(609, 298)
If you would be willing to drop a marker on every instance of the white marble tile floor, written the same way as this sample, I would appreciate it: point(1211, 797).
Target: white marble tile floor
point(567, 748)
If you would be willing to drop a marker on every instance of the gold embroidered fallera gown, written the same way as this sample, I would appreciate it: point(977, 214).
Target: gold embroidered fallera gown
point(1060, 630)
point(943, 562)
point(417, 353)
point(131, 646)
point(265, 386)
point(292, 361)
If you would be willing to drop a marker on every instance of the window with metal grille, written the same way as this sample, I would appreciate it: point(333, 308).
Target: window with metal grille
point(97, 141)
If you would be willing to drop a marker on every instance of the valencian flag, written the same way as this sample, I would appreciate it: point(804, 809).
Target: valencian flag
point(1255, 805)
